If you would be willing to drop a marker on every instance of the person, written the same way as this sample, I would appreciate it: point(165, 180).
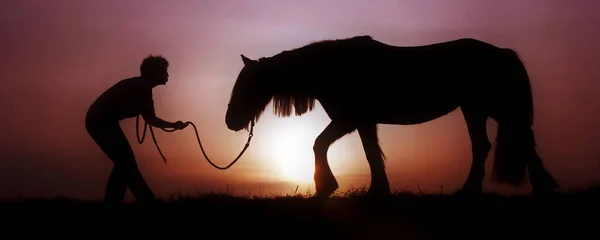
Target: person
point(126, 99)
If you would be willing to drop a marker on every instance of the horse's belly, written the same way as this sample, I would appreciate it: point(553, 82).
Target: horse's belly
point(401, 111)
point(411, 111)
point(410, 117)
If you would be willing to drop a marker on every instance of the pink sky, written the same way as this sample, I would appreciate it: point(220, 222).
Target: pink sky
point(60, 55)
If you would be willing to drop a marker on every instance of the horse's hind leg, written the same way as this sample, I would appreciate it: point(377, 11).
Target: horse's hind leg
point(379, 180)
point(325, 182)
point(480, 147)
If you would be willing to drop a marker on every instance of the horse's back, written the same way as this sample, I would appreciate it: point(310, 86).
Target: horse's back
point(405, 84)
point(460, 44)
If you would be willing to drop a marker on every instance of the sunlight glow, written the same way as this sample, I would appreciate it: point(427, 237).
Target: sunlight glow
point(288, 146)
point(292, 153)
point(286, 143)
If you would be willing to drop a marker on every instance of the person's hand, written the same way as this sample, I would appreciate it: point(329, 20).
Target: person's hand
point(179, 125)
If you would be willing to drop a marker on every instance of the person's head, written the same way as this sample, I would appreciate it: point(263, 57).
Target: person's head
point(154, 69)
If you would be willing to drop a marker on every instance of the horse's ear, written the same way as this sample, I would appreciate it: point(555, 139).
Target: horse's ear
point(246, 60)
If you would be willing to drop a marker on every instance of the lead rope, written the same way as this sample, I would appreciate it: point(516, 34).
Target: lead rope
point(141, 140)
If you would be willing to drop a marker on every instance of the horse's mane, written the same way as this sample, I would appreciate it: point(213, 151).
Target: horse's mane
point(301, 103)
point(298, 102)
point(317, 46)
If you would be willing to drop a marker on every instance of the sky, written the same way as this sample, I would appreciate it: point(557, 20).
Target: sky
point(58, 56)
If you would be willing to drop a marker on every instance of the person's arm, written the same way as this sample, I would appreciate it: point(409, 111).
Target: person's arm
point(150, 117)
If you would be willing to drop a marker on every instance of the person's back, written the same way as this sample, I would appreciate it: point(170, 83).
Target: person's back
point(123, 100)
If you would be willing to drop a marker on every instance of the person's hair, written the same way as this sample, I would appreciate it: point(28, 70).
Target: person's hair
point(152, 64)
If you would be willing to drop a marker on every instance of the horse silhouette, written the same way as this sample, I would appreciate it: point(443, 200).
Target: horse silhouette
point(361, 82)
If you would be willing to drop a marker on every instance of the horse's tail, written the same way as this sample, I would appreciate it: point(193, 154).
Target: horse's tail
point(515, 141)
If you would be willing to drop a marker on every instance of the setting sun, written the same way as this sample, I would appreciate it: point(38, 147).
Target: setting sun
point(288, 142)
point(294, 159)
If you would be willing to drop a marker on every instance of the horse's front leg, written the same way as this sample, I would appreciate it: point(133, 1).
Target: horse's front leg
point(325, 182)
point(379, 181)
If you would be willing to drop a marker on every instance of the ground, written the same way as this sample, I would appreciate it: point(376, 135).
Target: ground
point(350, 215)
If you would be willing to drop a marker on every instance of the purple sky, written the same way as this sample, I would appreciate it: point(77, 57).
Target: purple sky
point(60, 55)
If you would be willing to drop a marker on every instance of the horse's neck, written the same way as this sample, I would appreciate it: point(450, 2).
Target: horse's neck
point(290, 81)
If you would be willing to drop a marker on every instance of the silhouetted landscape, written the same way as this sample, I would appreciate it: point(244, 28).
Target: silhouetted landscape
point(495, 102)
point(345, 215)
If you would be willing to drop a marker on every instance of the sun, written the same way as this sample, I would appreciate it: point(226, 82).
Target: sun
point(290, 149)
point(293, 163)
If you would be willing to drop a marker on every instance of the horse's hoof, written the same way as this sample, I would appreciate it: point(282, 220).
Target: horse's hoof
point(379, 190)
point(325, 185)
point(545, 185)
point(326, 190)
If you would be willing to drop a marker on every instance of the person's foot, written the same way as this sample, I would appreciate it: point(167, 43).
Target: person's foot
point(113, 204)
point(151, 202)
point(542, 182)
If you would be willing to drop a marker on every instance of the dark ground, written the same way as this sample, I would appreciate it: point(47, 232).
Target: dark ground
point(351, 216)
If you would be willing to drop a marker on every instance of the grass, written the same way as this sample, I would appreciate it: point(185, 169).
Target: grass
point(345, 215)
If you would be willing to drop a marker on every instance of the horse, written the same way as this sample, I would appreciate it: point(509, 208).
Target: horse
point(361, 82)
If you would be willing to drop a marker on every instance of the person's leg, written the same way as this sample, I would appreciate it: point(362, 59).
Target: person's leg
point(116, 186)
point(106, 136)
point(113, 142)
point(138, 186)
point(128, 171)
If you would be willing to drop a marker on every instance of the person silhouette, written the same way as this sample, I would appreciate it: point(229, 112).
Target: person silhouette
point(127, 98)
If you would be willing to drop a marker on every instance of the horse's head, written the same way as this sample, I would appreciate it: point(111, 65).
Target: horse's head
point(249, 96)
